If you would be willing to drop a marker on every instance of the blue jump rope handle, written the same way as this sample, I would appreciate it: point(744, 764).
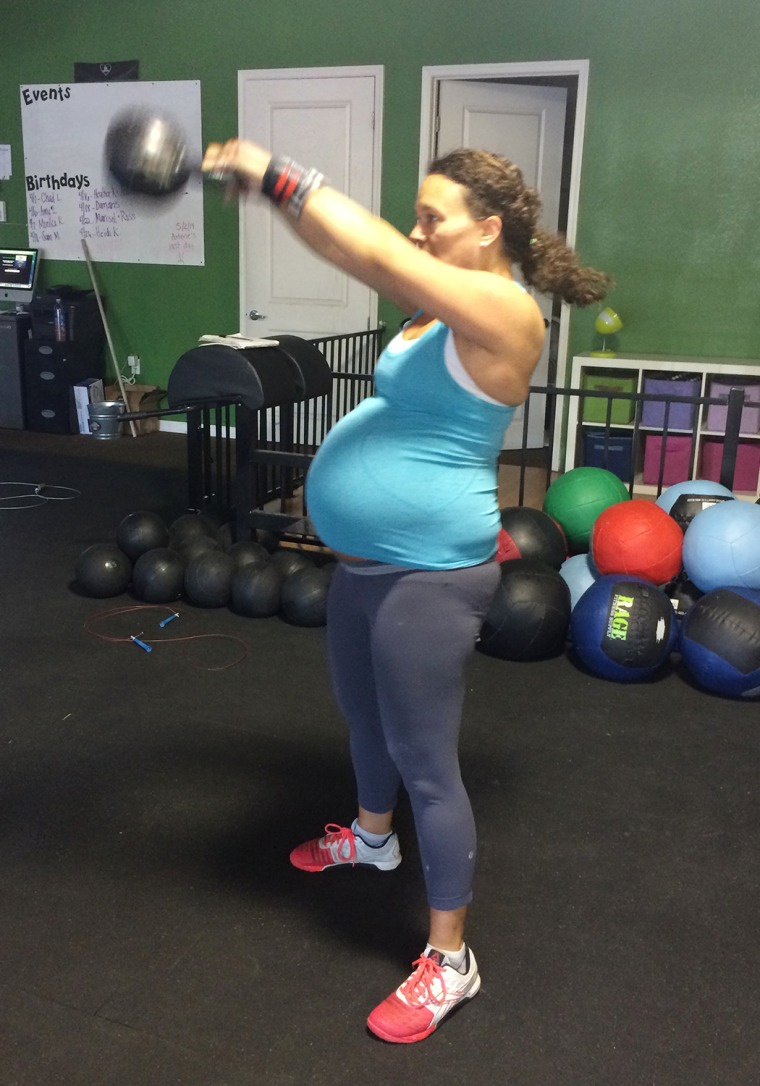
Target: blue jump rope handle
point(146, 648)
point(165, 621)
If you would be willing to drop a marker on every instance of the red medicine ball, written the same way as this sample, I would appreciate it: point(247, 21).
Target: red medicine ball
point(637, 538)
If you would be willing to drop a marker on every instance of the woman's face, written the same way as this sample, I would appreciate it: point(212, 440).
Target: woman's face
point(444, 227)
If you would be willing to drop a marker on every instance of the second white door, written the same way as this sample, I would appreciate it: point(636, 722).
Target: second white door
point(525, 124)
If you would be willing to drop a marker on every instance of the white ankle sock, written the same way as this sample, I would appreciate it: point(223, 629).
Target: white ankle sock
point(455, 958)
point(374, 840)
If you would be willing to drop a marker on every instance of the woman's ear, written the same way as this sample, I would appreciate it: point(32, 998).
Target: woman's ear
point(490, 230)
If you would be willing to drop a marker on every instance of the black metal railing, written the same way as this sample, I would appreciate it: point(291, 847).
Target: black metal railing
point(564, 446)
point(253, 463)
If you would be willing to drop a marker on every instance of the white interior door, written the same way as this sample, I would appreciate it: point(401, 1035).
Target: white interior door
point(330, 119)
point(526, 124)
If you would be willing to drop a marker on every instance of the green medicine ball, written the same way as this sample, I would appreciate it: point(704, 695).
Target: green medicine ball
point(576, 499)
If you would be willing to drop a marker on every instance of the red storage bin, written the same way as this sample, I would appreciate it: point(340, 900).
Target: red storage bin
point(677, 459)
point(747, 464)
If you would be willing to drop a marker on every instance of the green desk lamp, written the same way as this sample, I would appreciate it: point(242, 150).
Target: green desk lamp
point(607, 324)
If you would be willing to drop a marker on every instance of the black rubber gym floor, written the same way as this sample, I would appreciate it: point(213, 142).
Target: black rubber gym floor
point(152, 932)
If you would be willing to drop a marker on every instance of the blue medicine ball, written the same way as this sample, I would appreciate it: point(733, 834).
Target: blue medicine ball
point(579, 573)
point(721, 547)
point(624, 628)
point(720, 642)
point(705, 487)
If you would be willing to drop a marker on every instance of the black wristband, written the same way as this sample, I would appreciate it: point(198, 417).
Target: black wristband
point(288, 185)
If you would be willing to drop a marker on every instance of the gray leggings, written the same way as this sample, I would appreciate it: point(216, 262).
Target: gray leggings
point(398, 646)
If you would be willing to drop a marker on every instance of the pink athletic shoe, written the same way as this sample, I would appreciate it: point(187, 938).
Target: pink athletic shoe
point(418, 1007)
point(341, 846)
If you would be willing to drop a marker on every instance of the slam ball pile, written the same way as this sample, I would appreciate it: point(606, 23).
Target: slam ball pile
point(193, 558)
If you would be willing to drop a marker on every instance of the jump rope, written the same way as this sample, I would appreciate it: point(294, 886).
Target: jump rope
point(146, 643)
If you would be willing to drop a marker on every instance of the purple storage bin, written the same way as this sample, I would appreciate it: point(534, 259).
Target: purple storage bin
point(716, 414)
point(681, 415)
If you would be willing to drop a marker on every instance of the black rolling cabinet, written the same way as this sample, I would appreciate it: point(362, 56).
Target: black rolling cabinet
point(52, 368)
point(15, 329)
point(50, 371)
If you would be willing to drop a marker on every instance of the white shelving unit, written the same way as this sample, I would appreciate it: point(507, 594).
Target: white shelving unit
point(639, 368)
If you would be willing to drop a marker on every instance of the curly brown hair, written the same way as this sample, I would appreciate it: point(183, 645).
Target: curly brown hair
point(495, 186)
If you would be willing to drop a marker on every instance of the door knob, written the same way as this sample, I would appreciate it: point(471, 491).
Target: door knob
point(254, 315)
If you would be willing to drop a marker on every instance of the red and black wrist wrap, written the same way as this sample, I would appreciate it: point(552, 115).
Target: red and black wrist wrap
point(288, 185)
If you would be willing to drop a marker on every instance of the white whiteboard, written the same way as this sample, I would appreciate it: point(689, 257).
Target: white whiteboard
point(70, 194)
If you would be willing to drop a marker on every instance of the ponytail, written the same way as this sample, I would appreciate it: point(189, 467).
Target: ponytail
point(552, 267)
point(495, 186)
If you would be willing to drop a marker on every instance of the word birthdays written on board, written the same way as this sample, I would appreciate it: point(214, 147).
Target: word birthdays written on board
point(102, 213)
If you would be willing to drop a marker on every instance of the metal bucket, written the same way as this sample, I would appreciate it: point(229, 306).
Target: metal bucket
point(105, 418)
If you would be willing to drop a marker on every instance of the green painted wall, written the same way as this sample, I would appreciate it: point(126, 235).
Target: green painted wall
point(669, 194)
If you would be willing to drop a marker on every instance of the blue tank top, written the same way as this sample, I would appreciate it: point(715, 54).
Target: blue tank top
point(410, 475)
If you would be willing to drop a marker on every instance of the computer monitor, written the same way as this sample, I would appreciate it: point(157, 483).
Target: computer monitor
point(18, 276)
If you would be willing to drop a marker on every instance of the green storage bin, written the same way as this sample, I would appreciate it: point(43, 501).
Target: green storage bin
point(595, 408)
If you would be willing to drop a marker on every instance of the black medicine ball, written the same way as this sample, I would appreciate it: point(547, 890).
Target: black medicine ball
point(529, 615)
point(103, 570)
point(140, 532)
point(255, 591)
point(531, 533)
point(208, 579)
point(304, 597)
point(158, 576)
point(288, 560)
point(247, 553)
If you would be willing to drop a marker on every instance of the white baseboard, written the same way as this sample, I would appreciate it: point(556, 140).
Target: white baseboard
point(181, 428)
